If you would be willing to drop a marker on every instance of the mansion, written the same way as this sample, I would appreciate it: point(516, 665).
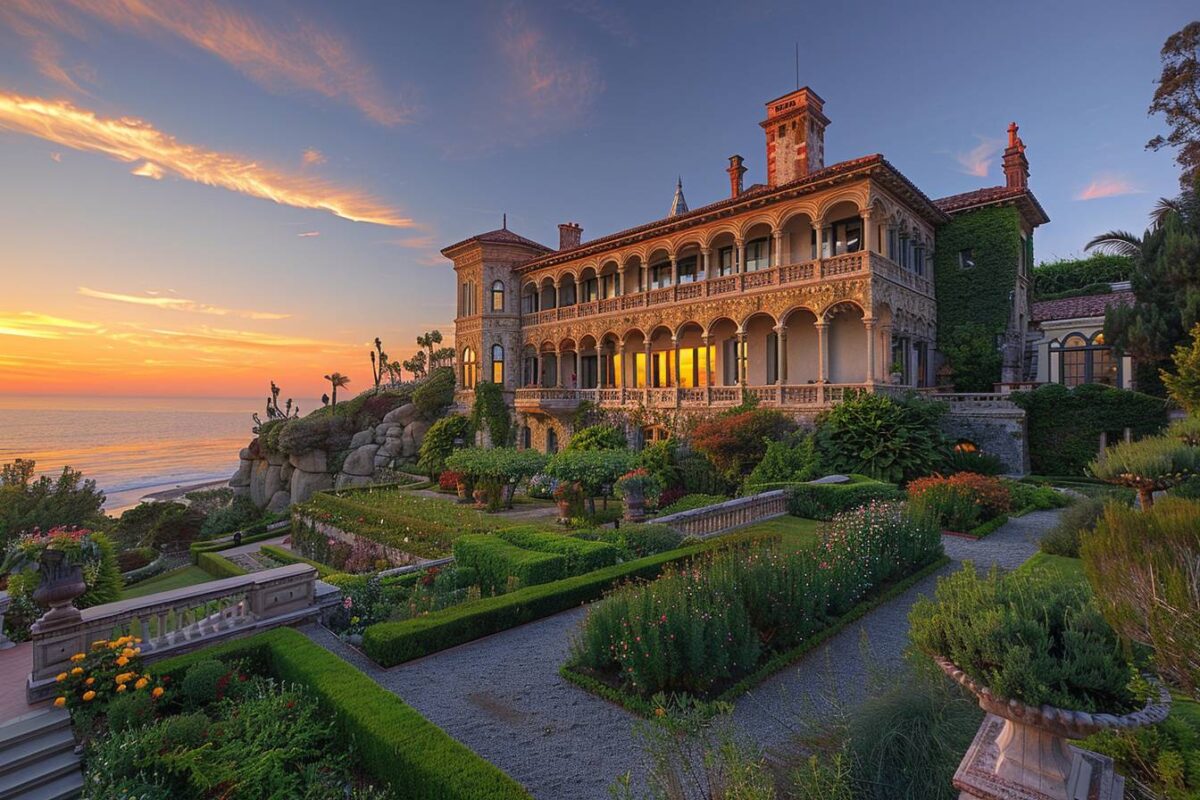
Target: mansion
point(792, 291)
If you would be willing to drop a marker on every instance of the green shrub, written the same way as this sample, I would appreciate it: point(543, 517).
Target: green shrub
point(824, 500)
point(736, 441)
point(439, 442)
point(1164, 757)
point(1147, 465)
point(594, 470)
point(1029, 637)
point(497, 470)
point(435, 394)
point(581, 555)
point(1032, 497)
point(218, 566)
point(286, 556)
point(130, 710)
point(882, 437)
point(1064, 425)
point(659, 459)
point(495, 561)
point(240, 513)
point(203, 682)
point(697, 475)
point(330, 432)
point(637, 540)
point(1074, 274)
point(489, 413)
point(605, 436)
point(973, 461)
point(1063, 538)
point(791, 458)
point(396, 744)
point(46, 502)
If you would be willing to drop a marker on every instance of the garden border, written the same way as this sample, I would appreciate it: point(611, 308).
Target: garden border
point(219, 566)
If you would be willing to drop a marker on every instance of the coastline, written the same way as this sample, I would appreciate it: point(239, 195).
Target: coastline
point(163, 495)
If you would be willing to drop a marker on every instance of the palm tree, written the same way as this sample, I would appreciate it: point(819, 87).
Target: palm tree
point(336, 380)
point(1124, 243)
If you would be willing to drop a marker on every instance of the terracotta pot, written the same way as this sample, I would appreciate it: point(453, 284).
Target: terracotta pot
point(60, 584)
point(464, 492)
point(1032, 746)
point(564, 510)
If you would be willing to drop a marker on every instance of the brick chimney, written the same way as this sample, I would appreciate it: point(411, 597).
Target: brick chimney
point(1016, 165)
point(570, 234)
point(795, 130)
point(736, 171)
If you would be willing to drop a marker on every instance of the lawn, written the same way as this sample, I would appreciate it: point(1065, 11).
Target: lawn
point(797, 532)
point(1060, 566)
point(190, 575)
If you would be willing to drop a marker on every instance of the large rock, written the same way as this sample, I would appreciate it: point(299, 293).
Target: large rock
point(280, 501)
point(312, 461)
point(305, 483)
point(345, 480)
point(274, 481)
point(241, 478)
point(258, 483)
point(361, 438)
point(285, 473)
point(402, 415)
point(245, 455)
point(362, 461)
point(414, 433)
point(276, 459)
point(392, 447)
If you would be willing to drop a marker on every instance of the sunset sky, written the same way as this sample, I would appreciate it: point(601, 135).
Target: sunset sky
point(197, 197)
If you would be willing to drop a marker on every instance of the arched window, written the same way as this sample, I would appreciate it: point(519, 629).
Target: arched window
point(529, 299)
point(470, 369)
point(1083, 360)
point(498, 296)
point(497, 365)
point(551, 441)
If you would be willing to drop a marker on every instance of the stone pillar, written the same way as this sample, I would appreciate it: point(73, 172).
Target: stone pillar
point(706, 341)
point(822, 350)
point(743, 358)
point(674, 270)
point(644, 277)
point(704, 262)
point(537, 368)
point(872, 358)
point(776, 248)
point(885, 355)
point(867, 234)
point(819, 231)
point(740, 266)
point(649, 370)
point(781, 355)
point(675, 348)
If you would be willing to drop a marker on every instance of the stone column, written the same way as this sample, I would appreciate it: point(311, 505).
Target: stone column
point(644, 277)
point(743, 358)
point(537, 367)
point(678, 382)
point(706, 342)
point(872, 366)
point(740, 266)
point(781, 355)
point(819, 231)
point(776, 248)
point(649, 368)
point(704, 262)
point(822, 327)
point(674, 270)
point(885, 354)
point(868, 234)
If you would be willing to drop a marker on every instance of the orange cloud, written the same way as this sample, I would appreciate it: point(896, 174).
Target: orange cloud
point(129, 139)
point(978, 160)
point(31, 325)
point(301, 55)
point(148, 169)
point(312, 157)
point(1107, 186)
point(177, 304)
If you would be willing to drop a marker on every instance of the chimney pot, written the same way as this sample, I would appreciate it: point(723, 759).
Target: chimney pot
point(570, 234)
point(736, 171)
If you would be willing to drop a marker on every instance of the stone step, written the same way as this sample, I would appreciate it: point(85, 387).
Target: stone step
point(18, 729)
point(40, 745)
point(31, 780)
point(64, 787)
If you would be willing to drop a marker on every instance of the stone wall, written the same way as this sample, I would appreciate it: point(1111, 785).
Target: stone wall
point(995, 426)
point(274, 481)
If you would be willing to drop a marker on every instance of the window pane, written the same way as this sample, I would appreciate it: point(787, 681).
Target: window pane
point(1073, 367)
point(1104, 366)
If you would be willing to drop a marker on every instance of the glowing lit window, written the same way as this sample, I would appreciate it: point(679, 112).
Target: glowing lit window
point(497, 364)
point(498, 296)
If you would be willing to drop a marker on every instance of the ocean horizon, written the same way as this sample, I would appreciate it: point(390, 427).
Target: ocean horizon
point(131, 446)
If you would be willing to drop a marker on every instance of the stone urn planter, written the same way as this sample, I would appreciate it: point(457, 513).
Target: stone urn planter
point(1021, 751)
point(464, 492)
point(635, 504)
point(480, 496)
point(60, 584)
point(564, 510)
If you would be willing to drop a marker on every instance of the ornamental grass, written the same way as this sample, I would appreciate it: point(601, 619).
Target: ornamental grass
point(701, 627)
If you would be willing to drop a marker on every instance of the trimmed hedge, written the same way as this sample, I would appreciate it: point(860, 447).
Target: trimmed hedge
point(582, 555)
point(823, 500)
point(392, 643)
point(288, 557)
point(396, 745)
point(218, 566)
point(495, 561)
point(196, 548)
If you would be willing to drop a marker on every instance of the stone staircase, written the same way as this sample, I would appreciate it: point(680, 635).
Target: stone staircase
point(37, 757)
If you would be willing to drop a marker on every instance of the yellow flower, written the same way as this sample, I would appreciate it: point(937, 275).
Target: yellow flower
point(78, 657)
point(122, 688)
point(77, 671)
point(660, 712)
point(122, 661)
point(158, 690)
point(59, 702)
point(89, 696)
point(141, 683)
point(60, 677)
point(89, 681)
point(128, 652)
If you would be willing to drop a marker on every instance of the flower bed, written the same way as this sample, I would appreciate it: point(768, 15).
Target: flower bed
point(974, 505)
point(703, 628)
point(824, 500)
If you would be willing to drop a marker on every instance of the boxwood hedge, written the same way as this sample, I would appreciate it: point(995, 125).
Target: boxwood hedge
point(417, 759)
point(581, 555)
point(218, 566)
point(494, 561)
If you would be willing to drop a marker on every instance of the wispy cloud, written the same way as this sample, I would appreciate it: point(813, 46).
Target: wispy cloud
point(607, 17)
point(308, 234)
point(414, 242)
point(312, 157)
point(1107, 185)
point(31, 325)
point(148, 169)
point(155, 300)
point(56, 157)
point(978, 160)
point(129, 139)
point(299, 54)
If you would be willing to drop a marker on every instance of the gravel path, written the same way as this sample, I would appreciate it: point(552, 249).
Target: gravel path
point(502, 695)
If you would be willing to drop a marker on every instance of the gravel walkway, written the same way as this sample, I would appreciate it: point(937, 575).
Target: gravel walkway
point(502, 695)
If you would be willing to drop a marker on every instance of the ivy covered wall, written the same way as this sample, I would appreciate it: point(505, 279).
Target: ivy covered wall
point(973, 304)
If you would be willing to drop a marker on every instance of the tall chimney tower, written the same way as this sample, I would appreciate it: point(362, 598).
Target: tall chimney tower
point(1016, 165)
point(736, 171)
point(570, 234)
point(795, 128)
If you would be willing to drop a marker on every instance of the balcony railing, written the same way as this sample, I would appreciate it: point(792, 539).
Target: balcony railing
point(800, 396)
point(760, 280)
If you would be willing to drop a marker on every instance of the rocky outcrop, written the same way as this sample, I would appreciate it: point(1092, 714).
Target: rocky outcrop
point(275, 481)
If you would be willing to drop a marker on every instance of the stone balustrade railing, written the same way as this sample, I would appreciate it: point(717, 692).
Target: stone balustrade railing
point(716, 519)
point(185, 619)
point(806, 395)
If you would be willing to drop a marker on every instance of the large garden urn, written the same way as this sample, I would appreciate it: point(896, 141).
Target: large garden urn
point(1021, 752)
point(60, 584)
point(635, 502)
point(465, 491)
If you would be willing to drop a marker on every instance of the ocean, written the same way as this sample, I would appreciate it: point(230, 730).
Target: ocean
point(131, 446)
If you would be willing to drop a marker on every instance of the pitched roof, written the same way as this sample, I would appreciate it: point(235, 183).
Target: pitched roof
point(995, 195)
point(498, 236)
point(1089, 305)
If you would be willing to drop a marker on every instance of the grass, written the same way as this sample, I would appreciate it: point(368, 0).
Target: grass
point(175, 579)
point(1062, 567)
point(797, 532)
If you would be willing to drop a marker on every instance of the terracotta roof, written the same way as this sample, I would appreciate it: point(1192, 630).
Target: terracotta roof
point(1089, 305)
point(994, 195)
point(498, 236)
point(876, 163)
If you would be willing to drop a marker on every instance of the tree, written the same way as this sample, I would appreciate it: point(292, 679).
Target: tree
point(605, 436)
point(417, 365)
point(337, 380)
point(43, 503)
point(1178, 100)
point(1147, 465)
point(596, 471)
point(1183, 385)
point(735, 442)
point(379, 362)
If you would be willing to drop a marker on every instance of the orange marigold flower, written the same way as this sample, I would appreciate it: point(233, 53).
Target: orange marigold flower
point(141, 683)
point(60, 677)
point(77, 671)
point(122, 688)
point(78, 657)
point(89, 681)
point(158, 690)
point(89, 696)
point(122, 661)
point(59, 702)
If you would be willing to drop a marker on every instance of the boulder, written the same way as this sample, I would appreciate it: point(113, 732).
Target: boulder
point(381, 431)
point(403, 414)
point(312, 461)
point(258, 482)
point(362, 461)
point(276, 459)
point(241, 478)
point(391, 447)
point(408, 444)
point(305, 483)
point(285, 473)
point(273, 482)
point(280, 501)
point(417, 429)
point(361, 438)
point(382, 460)
point(345, 480)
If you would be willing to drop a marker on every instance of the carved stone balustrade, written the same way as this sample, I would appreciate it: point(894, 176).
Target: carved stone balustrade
point(716, 519)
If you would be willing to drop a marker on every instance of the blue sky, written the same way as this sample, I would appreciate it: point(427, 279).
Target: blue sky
point(430, 120)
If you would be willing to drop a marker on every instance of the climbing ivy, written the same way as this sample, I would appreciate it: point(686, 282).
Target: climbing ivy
point(974, 304)
point(490, 413)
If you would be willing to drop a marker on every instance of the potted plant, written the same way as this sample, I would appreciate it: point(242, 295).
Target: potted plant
point(634, 487)
point(897, 372)
point(567, 495)
point(1038, 655)
point(464, 488)
point(59, 557)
